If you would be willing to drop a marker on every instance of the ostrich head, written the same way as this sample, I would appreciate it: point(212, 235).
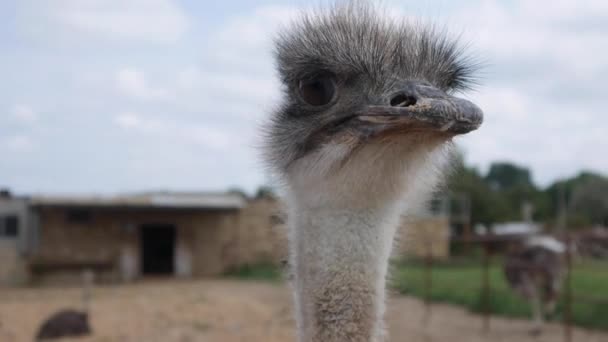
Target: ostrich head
point(367, 104)
point(367, 117)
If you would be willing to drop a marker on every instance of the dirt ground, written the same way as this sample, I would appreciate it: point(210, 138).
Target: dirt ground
point(225, 310)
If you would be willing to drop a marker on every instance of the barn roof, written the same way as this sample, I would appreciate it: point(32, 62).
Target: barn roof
point(167, 200)
point(516, 228)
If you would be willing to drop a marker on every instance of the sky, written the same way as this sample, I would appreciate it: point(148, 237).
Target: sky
point(110, 96)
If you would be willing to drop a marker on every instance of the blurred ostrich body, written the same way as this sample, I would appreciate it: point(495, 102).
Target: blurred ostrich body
point(69, 322)
point(536, 271)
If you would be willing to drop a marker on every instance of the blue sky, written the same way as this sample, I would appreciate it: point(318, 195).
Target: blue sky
point(114, 95)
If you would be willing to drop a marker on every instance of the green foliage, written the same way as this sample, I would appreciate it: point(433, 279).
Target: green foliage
point(460, 283)
point(263, 271)
point(504, 176)
point(487, 205)
point(238, 191)
point(585, 198)
point(500, 195)
point(590, 199)
point(265, 192)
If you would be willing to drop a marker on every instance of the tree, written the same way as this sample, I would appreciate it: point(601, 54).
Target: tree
point(589, 200)
point(487, 206)
point(501, 194)
point(264, 192)
point(515, 184)
point(238, 191)
point(503, 176)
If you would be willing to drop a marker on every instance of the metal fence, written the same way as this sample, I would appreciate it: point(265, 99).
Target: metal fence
point(487, 244)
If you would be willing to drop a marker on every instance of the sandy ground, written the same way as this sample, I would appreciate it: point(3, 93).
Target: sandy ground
point(224, 310)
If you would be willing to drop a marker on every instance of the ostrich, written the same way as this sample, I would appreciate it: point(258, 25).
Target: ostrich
point(361, 136)
point(535, 271)
point(69, 322)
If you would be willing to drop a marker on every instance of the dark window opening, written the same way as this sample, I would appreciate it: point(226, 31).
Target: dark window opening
point(158, 249)
point(11, 226)
point(78, 216)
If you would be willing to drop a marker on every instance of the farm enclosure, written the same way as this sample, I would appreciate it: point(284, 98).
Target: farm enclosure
point(460, 283)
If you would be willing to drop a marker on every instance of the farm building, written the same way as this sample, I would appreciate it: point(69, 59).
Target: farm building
point(46, 239)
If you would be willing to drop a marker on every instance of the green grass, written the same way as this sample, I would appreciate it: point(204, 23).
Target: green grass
point(264, 271)
point(460, 283)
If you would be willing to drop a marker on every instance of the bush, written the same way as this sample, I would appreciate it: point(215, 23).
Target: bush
point(263, 271)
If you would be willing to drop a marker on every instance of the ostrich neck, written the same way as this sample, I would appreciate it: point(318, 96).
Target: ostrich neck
point(340, 260)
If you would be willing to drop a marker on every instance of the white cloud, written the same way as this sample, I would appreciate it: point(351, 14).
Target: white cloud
point(215, 137)
point(127, 120)
point(523, 123)
point(24, 114)
point(19, 143)
point(553, 139)
point(244, 42)
point(236, 78)
point(545, 63)
point(250, 90)
point(560, 36)
point(157, 21)
point(133, 83)
point(188, 78)
point(201, 104)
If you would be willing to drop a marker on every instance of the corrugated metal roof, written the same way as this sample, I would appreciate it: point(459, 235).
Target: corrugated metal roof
point(510, 228)
point(155, 200)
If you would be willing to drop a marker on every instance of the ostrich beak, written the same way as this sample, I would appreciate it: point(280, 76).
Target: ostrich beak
point(423, 108)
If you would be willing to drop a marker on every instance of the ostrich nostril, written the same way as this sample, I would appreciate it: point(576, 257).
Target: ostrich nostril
point(403, 100)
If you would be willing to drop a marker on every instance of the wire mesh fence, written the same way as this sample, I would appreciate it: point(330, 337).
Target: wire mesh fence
point(477, 280)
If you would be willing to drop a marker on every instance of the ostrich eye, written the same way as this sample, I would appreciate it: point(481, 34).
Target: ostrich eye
point(318, 90)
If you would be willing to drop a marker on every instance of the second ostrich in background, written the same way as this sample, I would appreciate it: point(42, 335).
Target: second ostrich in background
point(68, 323)
point(362, 135)
point(535, 270)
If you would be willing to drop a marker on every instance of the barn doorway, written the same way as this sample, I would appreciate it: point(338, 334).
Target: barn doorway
point(158, 249)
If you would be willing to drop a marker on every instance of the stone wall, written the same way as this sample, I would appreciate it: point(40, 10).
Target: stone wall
point(110, 242)
point(261, 233)
point(422, 237)
point(13, 270)
point(213, 243)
